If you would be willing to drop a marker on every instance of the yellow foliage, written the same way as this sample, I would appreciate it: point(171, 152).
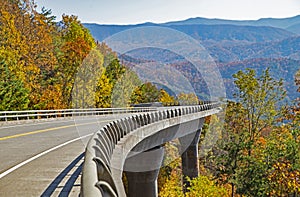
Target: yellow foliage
point(202, 186)
point(172, 186)
point(166, 99)
point(188, 99)
point(103, 92)
point(284, 179)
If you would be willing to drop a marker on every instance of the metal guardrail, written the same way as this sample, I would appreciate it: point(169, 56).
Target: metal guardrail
point(44, 114)
point(97, 179)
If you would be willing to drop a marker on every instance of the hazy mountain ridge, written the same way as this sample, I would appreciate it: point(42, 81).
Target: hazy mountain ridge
point(235, 33)
point(283, 23)
point(280, 68)
point(234, 45)
point(294, 28)
point(287, 48)
point(203, 32)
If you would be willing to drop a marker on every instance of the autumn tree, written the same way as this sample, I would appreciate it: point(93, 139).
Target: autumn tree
point(146, 93)
point(172, 186)
point(114, 70)
point(124, 88)
point(255, 111)
point(166, 99)
point(170, 179)
point(108, 53)
point(297, 80)
point(58, 65)
point(75, 45)
point(187, 99)
point(86, 80)
point(202, 186)
point(282, 153)
point(26, 39)
point(103, 93)
point(260, 98)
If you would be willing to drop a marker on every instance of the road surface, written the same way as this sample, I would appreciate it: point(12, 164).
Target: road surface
point(45, 158)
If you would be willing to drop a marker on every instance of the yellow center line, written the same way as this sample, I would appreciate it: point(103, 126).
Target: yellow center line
point(44, 130)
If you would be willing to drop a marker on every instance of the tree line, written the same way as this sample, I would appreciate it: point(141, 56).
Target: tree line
point(257, 150)
point(46, 64)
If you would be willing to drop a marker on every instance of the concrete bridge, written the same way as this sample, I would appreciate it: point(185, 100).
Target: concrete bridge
point(134, 145)
point(45, 157)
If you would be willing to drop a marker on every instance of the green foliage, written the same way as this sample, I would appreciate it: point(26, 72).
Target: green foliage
point(113, 84)
point(85, 86)
point(124, 88)
point(202, 186)
point(146, 93)
point(253, 140)
point(260, 98)
point(13, 95)
point(114, 71)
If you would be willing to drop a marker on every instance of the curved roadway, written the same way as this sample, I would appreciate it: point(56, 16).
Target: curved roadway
point(45, 158)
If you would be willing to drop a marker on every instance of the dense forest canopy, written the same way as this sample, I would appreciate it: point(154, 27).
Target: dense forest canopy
point(54, 65)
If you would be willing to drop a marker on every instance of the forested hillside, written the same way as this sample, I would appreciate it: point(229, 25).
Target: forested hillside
point(42, 62)
point(256, 44)
point(46, 64)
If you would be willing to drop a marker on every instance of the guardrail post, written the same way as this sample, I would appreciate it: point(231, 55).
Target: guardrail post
point(142, 172)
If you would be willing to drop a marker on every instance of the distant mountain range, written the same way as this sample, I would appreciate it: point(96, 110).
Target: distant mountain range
point(284, 23)
point(291, 25)
point(234, 45)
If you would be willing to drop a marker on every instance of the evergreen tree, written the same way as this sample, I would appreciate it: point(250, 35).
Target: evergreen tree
point(13, 95)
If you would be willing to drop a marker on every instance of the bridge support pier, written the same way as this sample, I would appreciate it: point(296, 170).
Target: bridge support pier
point(142, 172)
point(189, 158)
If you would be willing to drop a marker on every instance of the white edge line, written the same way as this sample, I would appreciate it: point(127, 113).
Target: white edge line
point(39, 155)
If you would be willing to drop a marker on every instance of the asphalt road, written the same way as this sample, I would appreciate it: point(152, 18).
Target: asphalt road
point(45, 158)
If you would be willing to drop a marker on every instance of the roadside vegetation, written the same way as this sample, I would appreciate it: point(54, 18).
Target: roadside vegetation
point(258, 151)
point(50, 65)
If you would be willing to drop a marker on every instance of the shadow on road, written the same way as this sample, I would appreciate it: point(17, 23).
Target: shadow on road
point(70, 182)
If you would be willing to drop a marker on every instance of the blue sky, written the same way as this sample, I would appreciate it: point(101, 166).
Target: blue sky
point(139, 11)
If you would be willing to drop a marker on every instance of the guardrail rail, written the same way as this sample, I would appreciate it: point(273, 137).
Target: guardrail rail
point(45, 114)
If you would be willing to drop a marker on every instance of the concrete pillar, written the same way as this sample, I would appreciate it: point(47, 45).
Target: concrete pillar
point(142, 171)
point(189, 157)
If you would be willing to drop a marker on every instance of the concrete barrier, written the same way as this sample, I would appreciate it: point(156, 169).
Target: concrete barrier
point(108, 148)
